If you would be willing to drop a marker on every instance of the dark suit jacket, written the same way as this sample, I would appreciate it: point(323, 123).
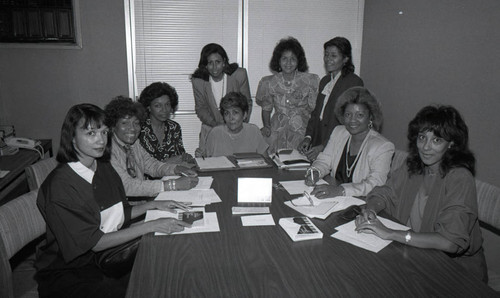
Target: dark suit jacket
point(320, 130)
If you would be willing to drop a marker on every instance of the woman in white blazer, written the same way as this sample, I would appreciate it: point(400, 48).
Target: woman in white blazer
point(357, 156)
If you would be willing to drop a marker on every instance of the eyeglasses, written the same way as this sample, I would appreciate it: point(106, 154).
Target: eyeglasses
point(308, 197)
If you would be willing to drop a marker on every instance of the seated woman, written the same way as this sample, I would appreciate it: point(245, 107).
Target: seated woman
point(235, 136)
point(214, 78)
point(357, 156)
point(131, 161)
point(85, 209)
point(160, 136)
point(434, 193)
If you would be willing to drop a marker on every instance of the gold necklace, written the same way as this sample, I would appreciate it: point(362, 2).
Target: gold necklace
point(288, 85)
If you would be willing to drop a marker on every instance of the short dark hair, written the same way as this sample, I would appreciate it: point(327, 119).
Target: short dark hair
point(121, 107)
point(158, 89)
point(344, 47)
point(234, 99)
point(362, 96)
point(447, 123)
point(288, 44)
point(94, 117)
point(212, 48)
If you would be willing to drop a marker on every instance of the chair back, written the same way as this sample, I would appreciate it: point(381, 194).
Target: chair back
point(398, 159)
point(20, 223)
point(37, 172)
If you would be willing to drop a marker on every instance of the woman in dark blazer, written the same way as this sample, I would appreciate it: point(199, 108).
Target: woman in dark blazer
point(214, 70)
point(338, 63)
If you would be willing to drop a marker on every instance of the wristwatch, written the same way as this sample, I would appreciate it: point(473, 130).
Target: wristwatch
point(408, 237)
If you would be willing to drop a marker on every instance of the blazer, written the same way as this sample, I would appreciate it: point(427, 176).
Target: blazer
point(205, 104)
point(373, 164)
point(320, 130)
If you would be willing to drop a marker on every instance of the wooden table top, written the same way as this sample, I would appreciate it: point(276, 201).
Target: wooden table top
point(263, 261)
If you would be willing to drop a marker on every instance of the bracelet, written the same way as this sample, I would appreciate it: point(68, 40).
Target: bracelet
point(408, 237)
point(173, 184)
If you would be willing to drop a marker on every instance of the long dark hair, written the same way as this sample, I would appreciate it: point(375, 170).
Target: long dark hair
point(289, 44)
point(447, 123)
point(345, 49)
point(94, 117)
point(212, 48)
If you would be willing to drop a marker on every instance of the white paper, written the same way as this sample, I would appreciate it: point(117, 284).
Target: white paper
point(219, 162)
point(211, 224)
point(347, 233)
point(296, 187)
point(258, 220)
point(197, 197)
point(323, 207)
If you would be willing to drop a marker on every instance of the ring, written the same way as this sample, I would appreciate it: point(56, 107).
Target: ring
point(368, 221)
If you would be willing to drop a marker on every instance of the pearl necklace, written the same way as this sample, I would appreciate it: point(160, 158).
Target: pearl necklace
point(348, 169)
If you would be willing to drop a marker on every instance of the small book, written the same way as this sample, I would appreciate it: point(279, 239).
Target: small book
point(300, 228)
point(193, 217)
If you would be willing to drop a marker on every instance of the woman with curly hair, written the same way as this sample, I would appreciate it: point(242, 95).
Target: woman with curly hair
point(160, 136)
point(291, 92)
point(132, 162)
point(214, 78)
point(357, 155)
point(434, 193)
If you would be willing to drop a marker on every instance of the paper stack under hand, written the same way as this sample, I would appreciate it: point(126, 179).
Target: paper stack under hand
point(322, 208)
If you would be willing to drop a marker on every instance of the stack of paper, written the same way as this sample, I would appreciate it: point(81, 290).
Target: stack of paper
point(290, 158)
point(322, 208)
point(214, 163)
point(300, 228)
point(197, 197)
point(299, 186)
point(347, 233)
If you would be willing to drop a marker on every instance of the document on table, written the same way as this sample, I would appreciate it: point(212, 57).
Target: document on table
point(296, 187)
point(203, 182)
point(347, 233)
point(322, 207)
point(258, 220)
point(197, 197)
point(213, 163)
point(211, 223)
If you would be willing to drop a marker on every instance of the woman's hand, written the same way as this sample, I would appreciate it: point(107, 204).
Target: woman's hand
point(183, 171)
point(313, 153)
point(304, 146)
point(168, 225)
point(170, 206)
point(199, 152)
point(312, 176)
point(186, 157)
point(266, 131)
point(367, 222)
point(327, 191)
point(185, 183)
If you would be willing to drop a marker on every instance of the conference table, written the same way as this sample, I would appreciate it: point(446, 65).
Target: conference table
point(262, 261)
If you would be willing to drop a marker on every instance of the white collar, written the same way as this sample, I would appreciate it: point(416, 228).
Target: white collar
point(82, 171)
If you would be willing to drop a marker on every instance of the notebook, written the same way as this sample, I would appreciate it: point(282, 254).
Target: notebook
point(255, 192)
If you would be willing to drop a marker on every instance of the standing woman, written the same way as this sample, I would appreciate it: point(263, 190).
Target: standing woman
point(85, 209)
point(212, 80)
point(434, 193)
point(338, 63)
point(291, 92)
point(160, 136)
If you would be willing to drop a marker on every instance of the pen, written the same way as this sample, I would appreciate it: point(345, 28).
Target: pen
point(184, 174)
point(306, 194)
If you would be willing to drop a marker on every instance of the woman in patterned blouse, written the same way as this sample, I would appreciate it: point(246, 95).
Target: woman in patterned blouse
point(160, 136)
point(291, 92)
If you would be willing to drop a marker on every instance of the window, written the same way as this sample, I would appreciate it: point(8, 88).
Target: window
point(166, 37)
point(39, 22)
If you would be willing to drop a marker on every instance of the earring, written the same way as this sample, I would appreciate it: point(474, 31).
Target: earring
point(370, 125)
